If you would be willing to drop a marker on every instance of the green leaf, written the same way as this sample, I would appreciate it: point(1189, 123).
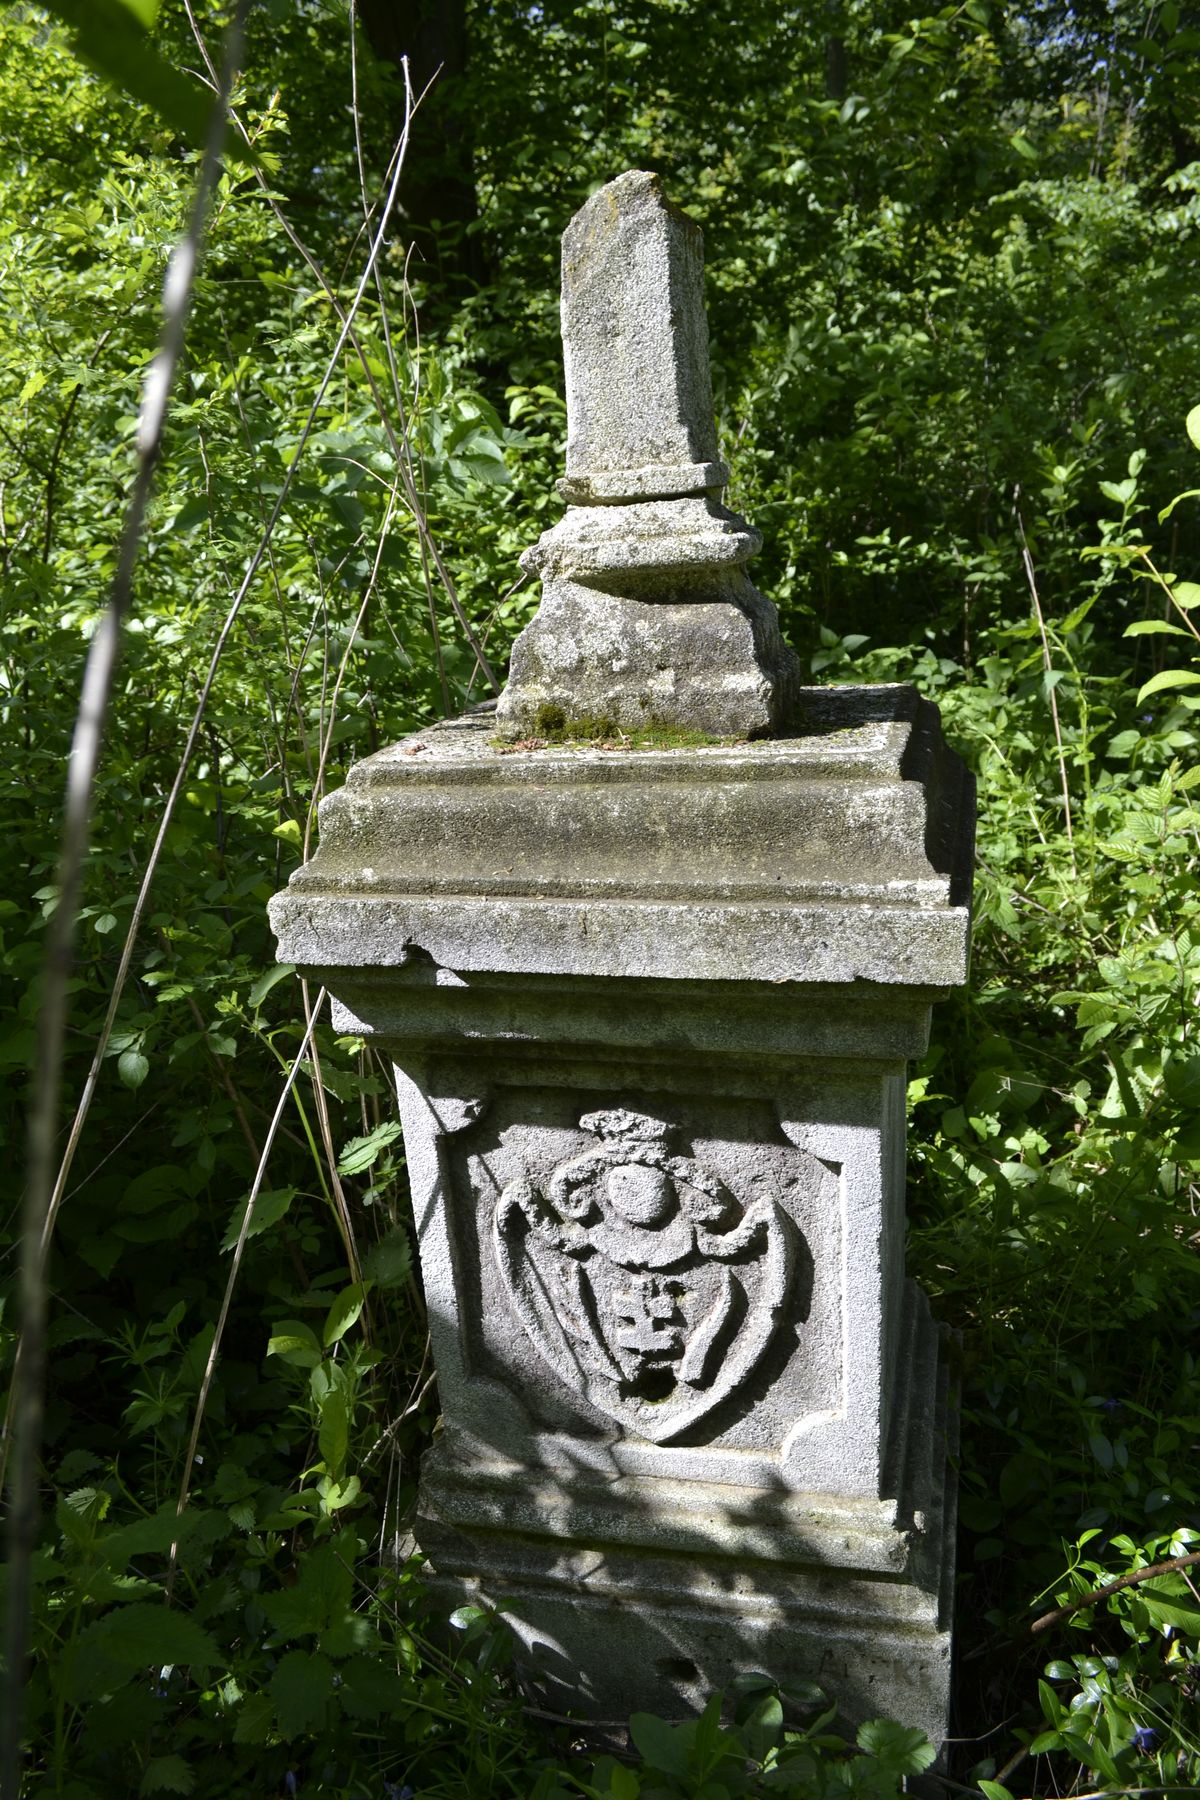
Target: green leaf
point(78, 1513)
point(623, 1783)
point(320, 1596)
point(1169, 508)
point(1192, 426)
point(370, 1687)
point(995, 1790)
point(1168, 678)
point(110, 1649)
point(1148, 628)
point(301, 1688)
point(110, 36)
point(333, 1436)
point(389, 1262)
point(255, 1718)
point(902, 1749)
point(269, 1208)
point(763, 1726)
point(144, 11)
point(343, 1313)
point(133, 1068)
point(296, 1343)
point(1181, 1078)
point(265, 983)
point(1167, 1601)
point(1186, 594)
point(167, 1775)
point(664, 1747)
point(362, 1152)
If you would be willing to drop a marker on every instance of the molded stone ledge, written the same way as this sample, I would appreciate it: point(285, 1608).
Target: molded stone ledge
point(654, 481)
point(747, 1028)
point(840, 855)
point(596, 544)
point(656, 941)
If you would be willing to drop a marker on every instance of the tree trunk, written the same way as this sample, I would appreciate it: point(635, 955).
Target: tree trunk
point(437, 189)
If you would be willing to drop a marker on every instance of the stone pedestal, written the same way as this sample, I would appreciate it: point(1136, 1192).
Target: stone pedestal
point(651, 1012)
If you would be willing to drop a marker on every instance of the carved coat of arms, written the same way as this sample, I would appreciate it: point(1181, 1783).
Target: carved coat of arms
point(643, 1280)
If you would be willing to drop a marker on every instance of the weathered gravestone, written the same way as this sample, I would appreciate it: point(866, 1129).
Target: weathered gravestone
point(651, 1010)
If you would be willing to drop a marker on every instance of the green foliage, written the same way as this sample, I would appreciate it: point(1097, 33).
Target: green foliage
point(954, 325)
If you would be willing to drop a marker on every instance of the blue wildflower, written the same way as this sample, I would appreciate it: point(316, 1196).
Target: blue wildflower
point(289, 1781)
point(1144, 1737)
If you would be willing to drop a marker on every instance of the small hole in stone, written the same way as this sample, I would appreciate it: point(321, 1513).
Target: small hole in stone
point(653, 1383)
point(676, 1668)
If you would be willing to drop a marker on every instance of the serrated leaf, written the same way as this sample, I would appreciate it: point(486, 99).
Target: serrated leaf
point(140, 1636)
point(265, 983)
point(167, 1775)
point(388, 1263)
point(255, 1717)
point(34, 385)
point(362, 1152)
point(320, 1597)
point(901, 1748)
point(301, 1688)
point(79, 1512)
point(369, 1687)
point(269, 1208)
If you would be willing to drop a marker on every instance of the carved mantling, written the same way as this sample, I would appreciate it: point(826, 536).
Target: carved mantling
point(648, 1286)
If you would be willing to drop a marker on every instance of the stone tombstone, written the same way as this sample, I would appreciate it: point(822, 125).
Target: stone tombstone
point(650, 1006)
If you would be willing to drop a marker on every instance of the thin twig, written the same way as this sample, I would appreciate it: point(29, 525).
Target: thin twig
point(29, 1373)
point(1041, 623)
point(1134, 1576)
point(214, 1348)
point(172, 800)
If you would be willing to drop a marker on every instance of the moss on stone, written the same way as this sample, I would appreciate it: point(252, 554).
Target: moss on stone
point(551, 725)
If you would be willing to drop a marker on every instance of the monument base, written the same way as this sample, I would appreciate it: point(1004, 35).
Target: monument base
point(650, 1014)
point(628, 1593)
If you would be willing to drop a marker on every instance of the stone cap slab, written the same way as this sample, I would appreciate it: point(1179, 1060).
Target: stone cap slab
point(840, 854)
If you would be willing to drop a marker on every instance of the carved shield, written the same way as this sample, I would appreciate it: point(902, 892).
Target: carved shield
point(649, 1287)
